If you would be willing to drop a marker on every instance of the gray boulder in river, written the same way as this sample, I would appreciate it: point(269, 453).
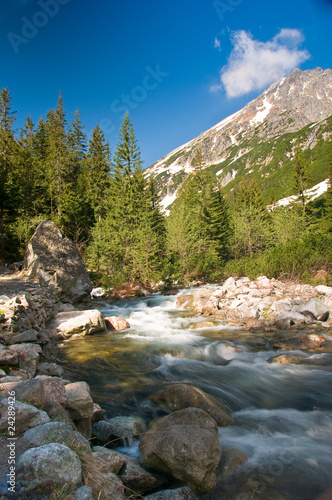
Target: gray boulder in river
point(55, 261)
point(184, 445)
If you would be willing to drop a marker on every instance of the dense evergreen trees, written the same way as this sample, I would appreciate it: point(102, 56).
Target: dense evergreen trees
point(106, 204)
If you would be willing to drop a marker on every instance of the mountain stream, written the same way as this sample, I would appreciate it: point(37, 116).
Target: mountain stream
point(282, 412)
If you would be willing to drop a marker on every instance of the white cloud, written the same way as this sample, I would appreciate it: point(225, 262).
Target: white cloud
point(253, 65)
point(217, 44)
point(216, 87)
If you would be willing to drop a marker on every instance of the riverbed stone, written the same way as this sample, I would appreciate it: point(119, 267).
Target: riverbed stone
point(316, 307)
point(184, 493)
point(111, 460)
point(113, 489)
point(185, 301)
point(136, 478)
point(300, 341)
point(8, 358)
point(184, 445)
point(78, 322)
point(28, 356)
point(57, 432)
point(55, 261)
point(79, 402)
point(26, 416)
point(116, 323)
point(82, 493)
point(57, 413)
point(104, 433)
point(27, 336)
point(128, 427)
point(287, 359)
point(50, 369)
point(54, 388)
point(49, 468)
point(29, 391)
point(181, 396)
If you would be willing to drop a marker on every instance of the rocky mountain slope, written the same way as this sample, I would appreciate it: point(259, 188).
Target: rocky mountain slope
point(260, 139)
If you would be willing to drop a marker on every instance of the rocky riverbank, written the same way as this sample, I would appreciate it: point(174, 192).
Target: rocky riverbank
point(64, 446)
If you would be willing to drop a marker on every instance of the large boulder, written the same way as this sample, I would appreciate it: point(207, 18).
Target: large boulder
point(184, 445)
point(184, 493)
point(56, 262)
point(52, 467)
point(181, 396)
point(78, 322)
point(79, 402)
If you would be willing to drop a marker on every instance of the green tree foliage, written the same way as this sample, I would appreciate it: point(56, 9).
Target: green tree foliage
point(300, 175)
point(128, 241)
point(9, 174)
point(328, 213)
point(97, 172)
point(198, 225)
point(252, 232)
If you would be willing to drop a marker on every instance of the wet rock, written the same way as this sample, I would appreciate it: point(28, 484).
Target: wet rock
point(78, 322)
point(287, 359)
point(181, 396)
point(136, 478)
point(185, 301)
point(116, 323)
point(55, 261)
point(127, 427)
point(230, 460)
point(184, 493)
point(51, 467)
point(57, 432)
point(184, 445)
point(26, 416)
point(97, 413)
point(111, 460)
point(54, 388)
point(301, 341)
point(104, 433)
point(79, 402)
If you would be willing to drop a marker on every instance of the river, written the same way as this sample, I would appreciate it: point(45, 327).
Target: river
point(283, 413)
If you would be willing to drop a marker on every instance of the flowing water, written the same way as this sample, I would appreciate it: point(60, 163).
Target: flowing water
point(283, 413)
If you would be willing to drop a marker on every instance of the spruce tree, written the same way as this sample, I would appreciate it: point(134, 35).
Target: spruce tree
point(97, 172)
point(300, 175)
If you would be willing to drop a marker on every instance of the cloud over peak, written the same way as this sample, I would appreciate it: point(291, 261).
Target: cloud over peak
point(253, 65)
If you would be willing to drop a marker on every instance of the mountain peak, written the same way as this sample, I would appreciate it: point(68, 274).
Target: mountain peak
point(295, 101)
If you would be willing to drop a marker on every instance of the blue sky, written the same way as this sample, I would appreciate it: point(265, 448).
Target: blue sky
point(178, 67)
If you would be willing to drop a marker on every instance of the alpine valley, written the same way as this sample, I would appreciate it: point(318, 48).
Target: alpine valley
point(259, 142)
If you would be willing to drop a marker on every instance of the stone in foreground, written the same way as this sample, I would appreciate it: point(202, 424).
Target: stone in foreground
point(55, 261)
point(184, 445)
point(52, 467)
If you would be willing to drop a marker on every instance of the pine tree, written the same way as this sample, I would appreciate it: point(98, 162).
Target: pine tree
point(77, 147)
point(252, 232)
point(300, 175)
point(97, 172)
point(58, 164)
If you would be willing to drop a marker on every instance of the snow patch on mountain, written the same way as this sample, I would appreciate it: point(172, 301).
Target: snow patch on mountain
point(310, 194)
